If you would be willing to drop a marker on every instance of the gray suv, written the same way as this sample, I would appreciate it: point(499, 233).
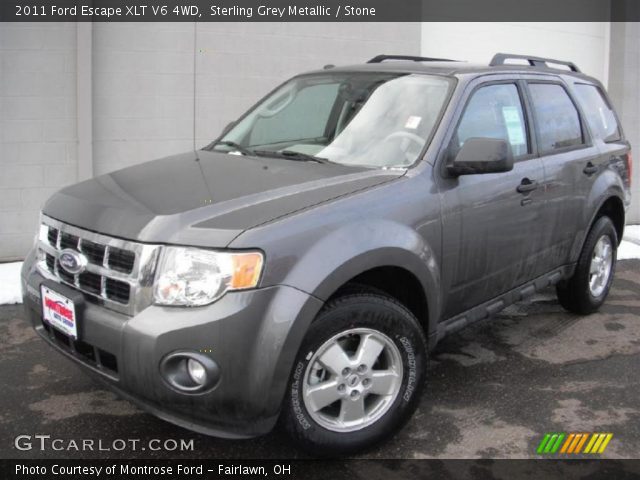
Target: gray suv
point(298, 270)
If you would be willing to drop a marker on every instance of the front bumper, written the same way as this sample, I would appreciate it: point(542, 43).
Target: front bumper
point(253, 336)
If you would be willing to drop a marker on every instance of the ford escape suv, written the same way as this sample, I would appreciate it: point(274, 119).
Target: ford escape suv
point(298, 269)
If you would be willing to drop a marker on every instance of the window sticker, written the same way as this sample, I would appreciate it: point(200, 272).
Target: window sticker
point(412, 122)
point(515, 128)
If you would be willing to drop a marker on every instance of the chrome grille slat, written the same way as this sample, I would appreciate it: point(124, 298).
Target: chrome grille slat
point(127, 289)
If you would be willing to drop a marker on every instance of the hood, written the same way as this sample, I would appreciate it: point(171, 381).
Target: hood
point(204, 198)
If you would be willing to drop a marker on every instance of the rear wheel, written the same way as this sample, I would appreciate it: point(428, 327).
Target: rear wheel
point(587, 290)
point(358, 375)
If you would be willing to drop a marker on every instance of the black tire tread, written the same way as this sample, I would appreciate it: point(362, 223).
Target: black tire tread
point(574, 294)
point(368, 296)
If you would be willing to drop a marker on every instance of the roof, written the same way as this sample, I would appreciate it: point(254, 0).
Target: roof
point(454, 67)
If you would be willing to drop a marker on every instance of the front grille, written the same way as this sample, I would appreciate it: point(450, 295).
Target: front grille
point(66, 276)
point(52, 236)
point(68, 241)
point(50, 262)
point(118, 273)
point(121, 260)
point(91, 282)
point(94, 252)
point(117, 290)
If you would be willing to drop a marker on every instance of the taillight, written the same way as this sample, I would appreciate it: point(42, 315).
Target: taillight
point(629, 166)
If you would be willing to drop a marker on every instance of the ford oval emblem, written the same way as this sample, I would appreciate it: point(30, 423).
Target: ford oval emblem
point(72, 261)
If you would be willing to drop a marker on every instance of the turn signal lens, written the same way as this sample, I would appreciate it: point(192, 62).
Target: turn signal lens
point(246, 270)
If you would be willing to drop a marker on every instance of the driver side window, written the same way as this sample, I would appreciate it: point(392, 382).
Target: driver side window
point(494, 111)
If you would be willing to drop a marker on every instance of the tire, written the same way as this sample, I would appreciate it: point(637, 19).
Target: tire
point(578, 294)
point(377, 323)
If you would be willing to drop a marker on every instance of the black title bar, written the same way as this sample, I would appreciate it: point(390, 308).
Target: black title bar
point(119, 469)
point(317, 10)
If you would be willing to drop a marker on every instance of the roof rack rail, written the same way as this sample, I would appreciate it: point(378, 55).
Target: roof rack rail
point(382, 58)
point(500, 59)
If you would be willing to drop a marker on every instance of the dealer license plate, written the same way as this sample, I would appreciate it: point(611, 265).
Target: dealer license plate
point(59, 311)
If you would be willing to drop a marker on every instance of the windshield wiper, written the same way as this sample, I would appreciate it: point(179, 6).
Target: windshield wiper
point(236, 146)
point(291, 155)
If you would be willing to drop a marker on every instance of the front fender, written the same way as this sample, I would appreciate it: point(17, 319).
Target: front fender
point(355, 248)
point(331, 262)
point(362, 246)
point(317, 251)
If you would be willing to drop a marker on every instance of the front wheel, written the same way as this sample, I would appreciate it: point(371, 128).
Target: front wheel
point(358, 376)
point(587, 290)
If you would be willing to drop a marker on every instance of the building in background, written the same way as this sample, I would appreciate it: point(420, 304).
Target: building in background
point(78, 100)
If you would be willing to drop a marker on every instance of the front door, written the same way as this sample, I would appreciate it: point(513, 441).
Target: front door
point(491, 222)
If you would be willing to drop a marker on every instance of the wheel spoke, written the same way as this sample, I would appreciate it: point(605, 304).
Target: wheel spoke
point(321, 395)
point(383, 382)
point(352, 410)
point(601, 265)
point(344, 371)
point(369, 350)
point(335, 358)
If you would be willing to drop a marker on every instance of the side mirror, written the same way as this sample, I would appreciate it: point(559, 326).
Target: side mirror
point(482, 155)
point(226, 129)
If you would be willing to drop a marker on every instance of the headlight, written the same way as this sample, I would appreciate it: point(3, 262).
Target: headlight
point(194, 276)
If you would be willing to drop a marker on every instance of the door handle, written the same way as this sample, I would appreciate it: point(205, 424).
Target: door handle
point(590, 169)
point(527, 186)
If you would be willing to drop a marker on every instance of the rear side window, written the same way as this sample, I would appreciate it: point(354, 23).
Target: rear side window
point(557, 118)
point(494, 111)
point(600, 116)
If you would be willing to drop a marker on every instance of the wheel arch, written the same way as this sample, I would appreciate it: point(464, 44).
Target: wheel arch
point(612, 207)
point(397, 282)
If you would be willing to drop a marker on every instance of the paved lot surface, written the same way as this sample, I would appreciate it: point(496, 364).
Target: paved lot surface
point(493, 390)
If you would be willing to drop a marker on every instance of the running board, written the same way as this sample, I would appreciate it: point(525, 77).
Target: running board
point(493, 306)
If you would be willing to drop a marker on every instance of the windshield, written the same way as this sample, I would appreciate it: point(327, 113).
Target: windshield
point(370, 119)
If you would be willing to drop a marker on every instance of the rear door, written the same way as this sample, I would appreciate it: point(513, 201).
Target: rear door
point(569, 158)
point(607, 136)
point(490, 221)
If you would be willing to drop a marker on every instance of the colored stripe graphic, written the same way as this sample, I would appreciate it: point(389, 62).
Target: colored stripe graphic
point(605, 442)
point(572, 443)
point(543, 443)
point(582, 442)
point(567, 442)
point(550, 443)
point(558, 442)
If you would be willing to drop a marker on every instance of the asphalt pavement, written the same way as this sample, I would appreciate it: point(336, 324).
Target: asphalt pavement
point(494, 389)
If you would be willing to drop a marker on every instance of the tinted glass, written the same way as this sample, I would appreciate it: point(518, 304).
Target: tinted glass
point(556, 117)
point(294, 122)
point(371, 119)
point(494, 111)
point(600, 116)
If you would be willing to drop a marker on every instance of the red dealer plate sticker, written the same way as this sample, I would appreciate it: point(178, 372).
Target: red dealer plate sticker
point(59, 311)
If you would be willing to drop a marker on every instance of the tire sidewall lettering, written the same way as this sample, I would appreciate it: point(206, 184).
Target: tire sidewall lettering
point(410, 366)
point(296, 403)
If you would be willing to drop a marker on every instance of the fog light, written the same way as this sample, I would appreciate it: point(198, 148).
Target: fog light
point(197, 372)
point(188, 371)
